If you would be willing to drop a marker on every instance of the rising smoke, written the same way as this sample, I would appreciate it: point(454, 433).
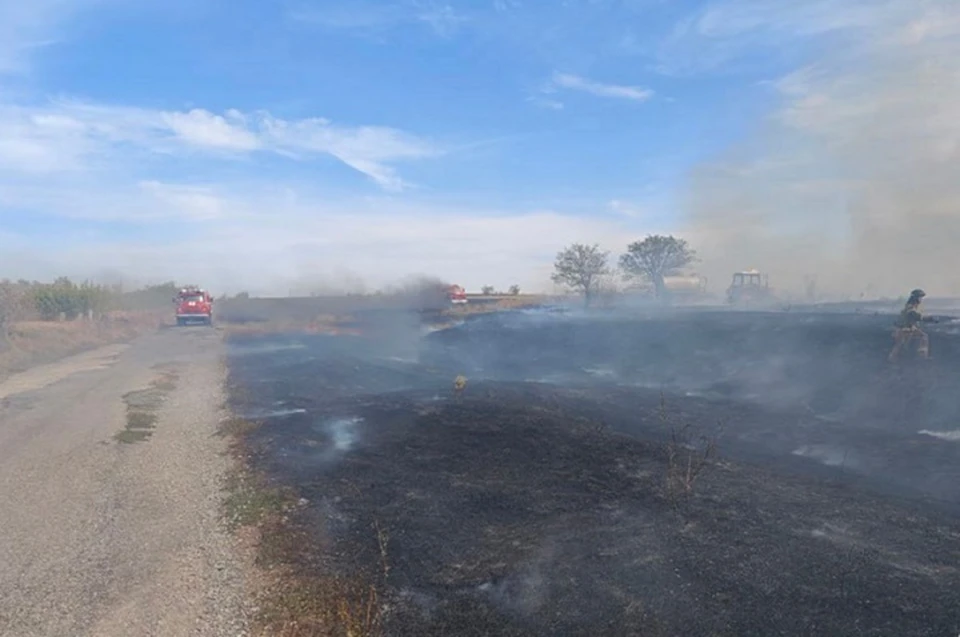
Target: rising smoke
point(854, 180)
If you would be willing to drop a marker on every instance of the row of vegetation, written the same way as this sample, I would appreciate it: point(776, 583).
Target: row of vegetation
point(585, 269)
point(489, 290)
point(65, 299)
point(581, 268)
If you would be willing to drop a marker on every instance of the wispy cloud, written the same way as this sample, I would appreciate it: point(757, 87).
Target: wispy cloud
point(366, 18)
point(505, 6)
point(728, 32)
point(351, 16)
point(545, 102)
point(442, 18)
point(202, 128)
point(73, 135)
point(267, 238)
point(617, 91)
point(625, 208)
point(25, 26)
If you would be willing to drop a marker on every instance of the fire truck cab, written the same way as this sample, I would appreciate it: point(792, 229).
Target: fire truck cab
point(456, 294)
point(193, 305)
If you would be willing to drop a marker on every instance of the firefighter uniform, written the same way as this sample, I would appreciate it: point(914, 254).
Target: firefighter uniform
point(908, 328)
point(459, 384)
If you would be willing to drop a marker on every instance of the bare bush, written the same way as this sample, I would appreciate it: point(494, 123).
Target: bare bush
point(688, 453)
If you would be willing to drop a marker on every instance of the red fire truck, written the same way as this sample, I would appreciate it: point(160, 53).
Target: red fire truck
point(193, 305)
point(456, 294)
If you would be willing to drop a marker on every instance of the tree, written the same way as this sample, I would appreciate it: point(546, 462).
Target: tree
point(581, 268)
point(11, 298)
point(656, 257)
point(514, 290)
point(487, 290)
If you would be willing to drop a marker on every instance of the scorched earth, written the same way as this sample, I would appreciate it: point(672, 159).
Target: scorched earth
point(698, 473)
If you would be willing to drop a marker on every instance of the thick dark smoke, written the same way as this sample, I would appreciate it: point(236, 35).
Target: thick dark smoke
point(854, 179)
point(420, 293)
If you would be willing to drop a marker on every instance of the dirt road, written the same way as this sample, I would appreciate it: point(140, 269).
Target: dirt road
point(110, 477)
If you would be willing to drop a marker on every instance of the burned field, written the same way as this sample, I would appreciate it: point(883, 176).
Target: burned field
point(553, 497)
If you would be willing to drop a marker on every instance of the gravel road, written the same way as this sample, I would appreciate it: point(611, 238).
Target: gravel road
point(112, 536)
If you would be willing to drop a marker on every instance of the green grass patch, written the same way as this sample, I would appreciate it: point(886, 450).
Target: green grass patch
point(142, 406)
point(250, 500)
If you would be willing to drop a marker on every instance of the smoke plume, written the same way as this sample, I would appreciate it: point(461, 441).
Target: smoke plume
point(854, 180)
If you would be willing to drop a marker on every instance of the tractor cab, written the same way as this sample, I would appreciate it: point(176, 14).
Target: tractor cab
point(747, 286)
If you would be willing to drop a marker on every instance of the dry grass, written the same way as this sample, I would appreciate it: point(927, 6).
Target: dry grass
point(320, 607)
point(318, 604)
point(291, 603)
point(38, 342)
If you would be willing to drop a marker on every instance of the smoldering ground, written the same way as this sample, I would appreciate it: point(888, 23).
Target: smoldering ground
point(852, 179)
point(535, 503)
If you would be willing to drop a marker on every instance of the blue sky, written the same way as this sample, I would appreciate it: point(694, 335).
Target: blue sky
point(271, 145)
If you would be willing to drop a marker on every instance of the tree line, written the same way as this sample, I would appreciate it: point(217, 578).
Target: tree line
point(489, 290)
point(66, 299)
point(583, 268)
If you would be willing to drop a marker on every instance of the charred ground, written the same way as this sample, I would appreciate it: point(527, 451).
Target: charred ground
point(536, 503)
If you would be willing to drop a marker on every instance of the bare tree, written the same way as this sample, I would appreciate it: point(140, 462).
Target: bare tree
point(581, 268)
point(656, 257)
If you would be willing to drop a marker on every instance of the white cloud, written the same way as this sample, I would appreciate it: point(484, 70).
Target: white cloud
point(269, 240)
point(202, 128)
point(72, 135)
point(367, 149)
point(577, 83)
point(543, 102)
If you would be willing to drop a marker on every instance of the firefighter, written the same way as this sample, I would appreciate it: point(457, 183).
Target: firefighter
point(459, 384)
point(908, 328)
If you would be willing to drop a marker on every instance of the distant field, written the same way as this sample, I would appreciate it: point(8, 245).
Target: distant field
point(306, 310)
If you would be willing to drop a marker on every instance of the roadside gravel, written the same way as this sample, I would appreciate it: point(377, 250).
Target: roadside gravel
point(119, 537)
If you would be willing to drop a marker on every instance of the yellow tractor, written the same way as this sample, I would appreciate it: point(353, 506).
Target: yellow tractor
point(748, 287)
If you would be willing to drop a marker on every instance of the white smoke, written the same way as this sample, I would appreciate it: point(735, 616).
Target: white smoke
point(854, 178)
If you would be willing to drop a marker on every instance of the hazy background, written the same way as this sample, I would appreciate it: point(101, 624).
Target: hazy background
point(218, 142)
